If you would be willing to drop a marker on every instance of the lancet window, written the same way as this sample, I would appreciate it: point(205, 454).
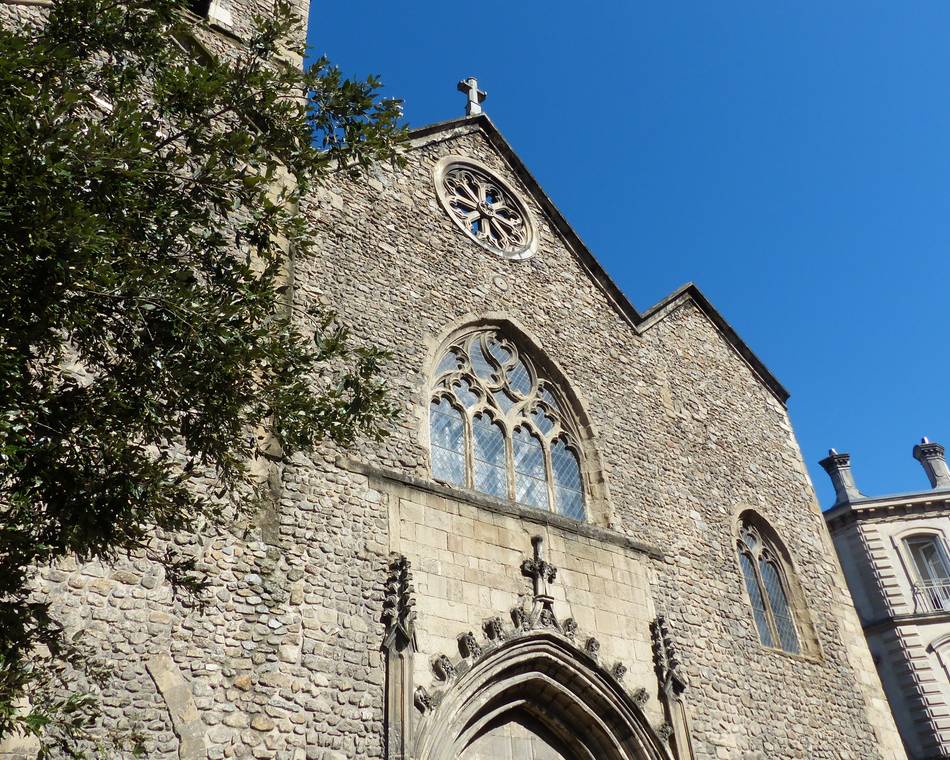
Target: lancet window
point(768, 589)
point(499, 427)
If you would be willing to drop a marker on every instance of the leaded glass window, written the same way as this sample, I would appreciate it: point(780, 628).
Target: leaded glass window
point(488, 448)
point(768, 591)
point(447, 431)
point(497, 426)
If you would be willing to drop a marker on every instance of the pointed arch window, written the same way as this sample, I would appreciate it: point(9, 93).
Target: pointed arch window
point(768, 589)
point(498, 426)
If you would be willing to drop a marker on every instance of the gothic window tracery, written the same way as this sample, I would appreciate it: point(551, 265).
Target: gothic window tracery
point(496, 426)
point(485, 208)
point(765, 582)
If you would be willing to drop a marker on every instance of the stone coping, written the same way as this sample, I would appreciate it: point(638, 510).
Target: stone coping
point(498, 506)
point(882, 508)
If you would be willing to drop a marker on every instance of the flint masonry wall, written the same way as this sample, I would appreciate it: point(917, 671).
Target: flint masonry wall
point(688, 436)
point(285, 662)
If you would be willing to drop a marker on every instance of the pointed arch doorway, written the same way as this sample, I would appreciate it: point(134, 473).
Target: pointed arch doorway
point(537, 697)
point(517, 736)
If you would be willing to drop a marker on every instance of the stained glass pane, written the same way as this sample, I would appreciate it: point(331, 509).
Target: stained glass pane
point(755, 596)
point(568, 489)
point(447, 434)
point(463, 389)
point(544, 423)
point(519, 378)
point(480, 363)
point(449, 363)
point(548, 397)
point(531, 486)
point(778, 601)
point(497, 350)
point(491, 474)
point(505, 400)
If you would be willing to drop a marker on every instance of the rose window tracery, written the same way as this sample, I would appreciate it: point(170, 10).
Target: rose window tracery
point(485, 208)
point(498, 427)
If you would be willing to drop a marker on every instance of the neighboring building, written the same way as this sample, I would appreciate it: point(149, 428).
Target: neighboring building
point(893, 550)
point(590, 535)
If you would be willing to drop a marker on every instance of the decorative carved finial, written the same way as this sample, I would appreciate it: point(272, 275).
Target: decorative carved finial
point(592, 646)
point(640, 697)
point(443, 668)
point(494, 629)
point(570, 628)
point(469, 646)
point(398, 613)
point(519, 618)
point(619, 670)
point(422, 699)
point(475, 96)
point(664, 732)
point(668, 670)
point(539, 570)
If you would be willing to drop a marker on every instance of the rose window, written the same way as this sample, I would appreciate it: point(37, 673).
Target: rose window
point(486, 209)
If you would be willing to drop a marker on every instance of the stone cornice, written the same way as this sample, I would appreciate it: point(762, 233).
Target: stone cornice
point(883, 508)
point(913, 619)
point(511, 509)
point(639, 322)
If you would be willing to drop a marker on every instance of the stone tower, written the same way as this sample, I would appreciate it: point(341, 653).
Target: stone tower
point(590, 535)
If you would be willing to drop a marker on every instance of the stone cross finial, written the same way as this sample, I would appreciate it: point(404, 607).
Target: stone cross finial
point(540, 571)
point(475, 96)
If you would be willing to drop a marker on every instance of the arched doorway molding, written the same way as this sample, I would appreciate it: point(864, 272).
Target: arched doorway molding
point(561, 686)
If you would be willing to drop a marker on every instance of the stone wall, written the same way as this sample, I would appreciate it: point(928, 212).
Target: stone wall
point(909, 640)
point(688, 434)
point(286, 661)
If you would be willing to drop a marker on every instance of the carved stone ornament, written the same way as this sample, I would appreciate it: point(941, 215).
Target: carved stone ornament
point(619, 670)
point(546, 618)
point(668, 669)
point(485, 208)
point(398, 613)
point(592, 646)
point(469, 646)
point(443, 668)
point(672, 694)
point(519, 618)
point(541, 572)
point(494, 629)
point(570, 628)
point(640, 697)
point(399, 646)
point(423, 699)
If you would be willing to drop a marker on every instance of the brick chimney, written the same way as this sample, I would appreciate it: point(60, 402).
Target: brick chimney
point(930, 455)
point(838, 467)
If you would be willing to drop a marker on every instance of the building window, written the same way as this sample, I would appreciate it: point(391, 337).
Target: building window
point(768, 590)
point(497, 426)
point(932, 589)
point(485, 208)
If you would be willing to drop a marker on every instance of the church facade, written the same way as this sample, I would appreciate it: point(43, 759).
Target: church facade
point(591, 533)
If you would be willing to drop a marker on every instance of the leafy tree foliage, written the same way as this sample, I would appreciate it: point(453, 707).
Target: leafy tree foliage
point(147, 199)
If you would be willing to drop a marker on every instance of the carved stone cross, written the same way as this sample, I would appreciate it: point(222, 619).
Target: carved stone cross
point(539, 570)
point(475, 96)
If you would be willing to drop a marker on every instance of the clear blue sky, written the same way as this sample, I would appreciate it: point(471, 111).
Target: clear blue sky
point(791, 158)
